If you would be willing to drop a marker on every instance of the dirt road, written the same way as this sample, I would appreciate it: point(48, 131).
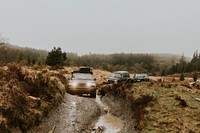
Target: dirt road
point(83, 115)
point(73, 115)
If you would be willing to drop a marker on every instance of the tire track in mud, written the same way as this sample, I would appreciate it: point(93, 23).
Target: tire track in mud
point(122, 110)
point(107, 123)
point(74, 115)
point(86, 115)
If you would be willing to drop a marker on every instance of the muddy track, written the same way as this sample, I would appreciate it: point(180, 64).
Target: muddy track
point(72, 116)
point(87, 115)
point(121, 109)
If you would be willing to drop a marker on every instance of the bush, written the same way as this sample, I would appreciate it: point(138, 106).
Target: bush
point(56, 57)
point(27, 96)
point(195, 76)
point(182, 77)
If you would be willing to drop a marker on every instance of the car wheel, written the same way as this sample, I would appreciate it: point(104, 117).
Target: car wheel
point(119, 82)
point(93, 94)
point(128, 81)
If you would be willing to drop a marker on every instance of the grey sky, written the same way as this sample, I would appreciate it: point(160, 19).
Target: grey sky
point(103, 26)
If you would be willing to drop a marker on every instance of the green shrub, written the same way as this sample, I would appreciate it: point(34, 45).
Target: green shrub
point(182, 77)
point(195, 76)
point(56, 57)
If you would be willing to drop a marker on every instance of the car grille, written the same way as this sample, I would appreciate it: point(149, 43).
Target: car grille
point(81, 84)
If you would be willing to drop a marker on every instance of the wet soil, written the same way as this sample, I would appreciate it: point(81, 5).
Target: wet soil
point(107, 123)
point(72, 116)
point(121, 109)
point(88, 115)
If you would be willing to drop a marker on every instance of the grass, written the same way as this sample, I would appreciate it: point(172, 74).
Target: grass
point(26, 96)
point(174, 111)
point(162, 108)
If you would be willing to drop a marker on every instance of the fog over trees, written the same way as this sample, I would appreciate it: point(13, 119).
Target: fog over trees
point(135, 63)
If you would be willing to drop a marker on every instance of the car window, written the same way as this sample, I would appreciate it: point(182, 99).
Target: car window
point(126, 75)
point(141, 75)
point(84, 76)
point(117, 75)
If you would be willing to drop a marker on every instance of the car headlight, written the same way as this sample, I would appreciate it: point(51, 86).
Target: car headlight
point(89, 84)
point(73, 84)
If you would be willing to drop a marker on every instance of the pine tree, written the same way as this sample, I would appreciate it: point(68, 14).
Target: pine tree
point(195, 76)
point(56, 57)
point(182, 77)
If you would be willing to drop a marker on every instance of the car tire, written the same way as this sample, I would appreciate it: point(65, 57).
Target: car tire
point(93, 94)
point(119, 82)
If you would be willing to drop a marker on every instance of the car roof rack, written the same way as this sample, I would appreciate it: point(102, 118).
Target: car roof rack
point(83, 69)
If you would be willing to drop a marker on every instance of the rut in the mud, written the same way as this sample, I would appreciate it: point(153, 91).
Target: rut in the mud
point(107, 123)
point(87, 115)
point(72, 116)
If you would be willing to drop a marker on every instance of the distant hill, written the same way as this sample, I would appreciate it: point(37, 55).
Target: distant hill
point(21, 48)
point(160, 57)
point(133, 62)
point(167, 58)
point(12, 53)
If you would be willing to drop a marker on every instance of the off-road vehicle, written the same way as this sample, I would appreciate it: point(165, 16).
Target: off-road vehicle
point(82, 82)
point(140, 77)
point(119, 77)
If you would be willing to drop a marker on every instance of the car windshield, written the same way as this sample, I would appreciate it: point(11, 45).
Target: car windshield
point(141, 75)
point(84, 76)
point(116, 75)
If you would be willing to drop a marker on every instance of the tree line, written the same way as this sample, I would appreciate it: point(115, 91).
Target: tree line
point(24, 56)
point(135, 63)
point(113, 62)
point(184, 67)
point(56, 57)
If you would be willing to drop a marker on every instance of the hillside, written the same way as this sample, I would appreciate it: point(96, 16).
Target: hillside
point(165, 58)
point(23, 55)
point(161, 58)
point(159, 106)
point(155, 105)
point(153, 63)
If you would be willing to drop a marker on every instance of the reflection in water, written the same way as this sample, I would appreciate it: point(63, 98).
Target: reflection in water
point(111, 123)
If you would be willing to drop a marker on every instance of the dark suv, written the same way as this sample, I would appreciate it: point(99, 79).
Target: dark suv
point(119, 77)
point(141, 77)
point(82, 82)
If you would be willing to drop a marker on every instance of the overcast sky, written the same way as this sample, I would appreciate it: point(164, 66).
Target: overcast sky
point(103, 26)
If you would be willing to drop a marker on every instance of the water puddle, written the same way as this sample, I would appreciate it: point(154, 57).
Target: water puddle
point(107, 123)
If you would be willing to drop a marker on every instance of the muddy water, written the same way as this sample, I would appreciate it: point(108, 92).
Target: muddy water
point(108, 123)
point(73, 115)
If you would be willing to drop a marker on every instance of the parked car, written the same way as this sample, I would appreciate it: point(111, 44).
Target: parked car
point(140, 77)
point(118, 77)
point(82, 82)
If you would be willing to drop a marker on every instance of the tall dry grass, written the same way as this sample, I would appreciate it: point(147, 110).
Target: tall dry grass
point(27, 95)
